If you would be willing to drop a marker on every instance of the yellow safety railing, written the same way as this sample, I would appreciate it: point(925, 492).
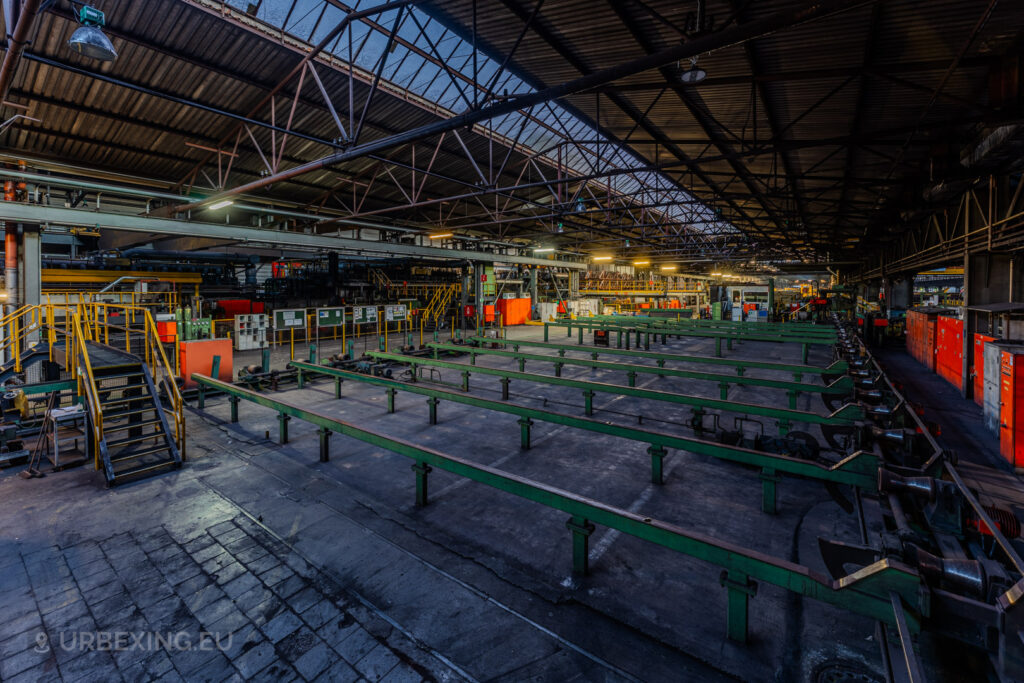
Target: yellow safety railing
point(103, 323)
point(79, 334)
point(138, 321)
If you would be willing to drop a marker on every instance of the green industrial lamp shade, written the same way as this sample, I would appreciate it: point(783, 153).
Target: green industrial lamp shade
point(89, 39)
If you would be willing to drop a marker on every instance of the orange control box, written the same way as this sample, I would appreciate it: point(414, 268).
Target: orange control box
point(197, 356)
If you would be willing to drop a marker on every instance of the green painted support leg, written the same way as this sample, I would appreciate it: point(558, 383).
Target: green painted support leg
point(312, 354)
point(265, 360)
point(588, 402)
point(545, 331)
point(618, 339)
point(661, 364)
point(793, 396)
point(664, 339)
point(325, 444)
point(561, 353)
point(421, 469)
point(515, 348)
point(581, 335)
point(472, 358)
point(647, 341)
point(522, 365)
point(215, 368)
point(628, 336)
point(300, 377)
point(728, 343)
point(769, 490)
point(568, 329)
point(558, 369)
point(391, 399)
point(282, 427)
point(581, 530)
point(202, 396)
point(740, 370)
point(337, 387)
point(803, 352)
point(657, 454)
point(593, 356)
point(723, 390)
point(740, 589)
point(504, 388)
point(631, 375)
point(412, 372)
point(798, 377)
point(697, 422)
point(436, 354)
point(718, 347)
point(465, 380)
point(234, 407)
point(524, 432)
point(784, 426)
point(432, 402)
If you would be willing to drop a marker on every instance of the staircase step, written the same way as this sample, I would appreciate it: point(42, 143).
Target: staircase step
point(114, 414)
point(112, 445)
point(119, 427)
point(117, 375)
point(134, 455)
point(127, 399)
point(123, 387)
point(149, 467)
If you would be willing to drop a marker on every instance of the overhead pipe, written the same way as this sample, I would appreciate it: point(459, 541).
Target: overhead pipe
point(16, 45)
point(699, 45)
point(11, 263)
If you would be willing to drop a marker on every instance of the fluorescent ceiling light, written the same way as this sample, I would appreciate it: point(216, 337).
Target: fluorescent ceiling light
point(668, 267)
point(641, 263)
point(221, 204)
point(440, 235)
point(543, 250)
point(602, 258)
point(716, 273)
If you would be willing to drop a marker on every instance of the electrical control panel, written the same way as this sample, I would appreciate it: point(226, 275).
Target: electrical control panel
point(251, 331)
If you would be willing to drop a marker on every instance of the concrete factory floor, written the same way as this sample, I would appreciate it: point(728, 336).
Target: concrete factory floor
point(328, 571)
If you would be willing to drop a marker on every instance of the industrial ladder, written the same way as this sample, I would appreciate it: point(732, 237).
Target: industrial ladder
point(133, 435)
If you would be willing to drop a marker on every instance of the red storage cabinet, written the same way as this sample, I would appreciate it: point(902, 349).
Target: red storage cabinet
point(949, 349)
point(1011, 408)
point(978, 367)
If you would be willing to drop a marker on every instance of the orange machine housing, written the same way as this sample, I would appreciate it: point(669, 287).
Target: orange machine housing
point(168, 330)
point(489, 313)
point(1011, 406)
point(514, 311)
point(197, 356)
point(978, 367)
point(949, 349)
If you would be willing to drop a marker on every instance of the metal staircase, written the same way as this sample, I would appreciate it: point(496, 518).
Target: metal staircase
point(133, 436)
point(440, 302)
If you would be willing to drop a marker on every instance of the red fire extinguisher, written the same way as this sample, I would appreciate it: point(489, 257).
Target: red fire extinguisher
point(469, 311)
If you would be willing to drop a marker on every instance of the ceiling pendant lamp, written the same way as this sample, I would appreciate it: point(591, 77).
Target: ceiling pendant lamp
point(89, 39)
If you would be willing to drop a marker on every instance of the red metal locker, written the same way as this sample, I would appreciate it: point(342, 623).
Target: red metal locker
point(949, 349)
point(1011, 406)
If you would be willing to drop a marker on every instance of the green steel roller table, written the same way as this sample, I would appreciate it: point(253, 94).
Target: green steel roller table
point(840, 387)
point(838, 367)
point(847, 415)
point(859, 469)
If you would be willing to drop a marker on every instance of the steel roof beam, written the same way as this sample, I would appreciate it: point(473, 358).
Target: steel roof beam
point(728, 37)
